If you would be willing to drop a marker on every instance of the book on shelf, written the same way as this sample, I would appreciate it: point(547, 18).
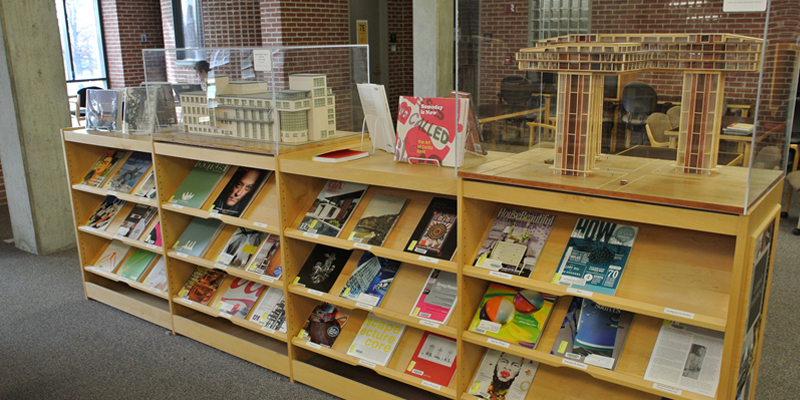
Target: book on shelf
point(106, 212)
point(337, 156)
point(267, 260)
point(112, 256)
point(238, 296)
point(592, 333)
point(270, 311)
point(137, 221)
point(686, 357)
point(140, 110)
point(595, 257)
point(370, 281)
point(147, 187)
point(438, 297)
point(431, 130)
point(197, 236)
point(197, 186)
point(103, 167)
point(202, 285)
point(154, 235)
point(242, 245)
point(434, 359)
point(377, 339)
point(515, 241)
point(378, 219)
point(324, 324)
point(511, 314)
point(103, 110)
point(739, 128)
point(322, 267)
point(240, 190)
point(157, 277)
point(136, 264)
point(332, 208)
point(503, 375)
point(379, 119)
point(435, 235)
point(130, 172)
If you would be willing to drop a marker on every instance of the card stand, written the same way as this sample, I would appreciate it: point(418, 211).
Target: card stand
point(397, 364)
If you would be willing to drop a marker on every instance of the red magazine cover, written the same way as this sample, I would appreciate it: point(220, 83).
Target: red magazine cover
point(431, 130)
point(434, 360)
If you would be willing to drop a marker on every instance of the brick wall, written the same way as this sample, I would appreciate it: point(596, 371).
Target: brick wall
point(401, 62)
point(124, 23)
point(509, 33)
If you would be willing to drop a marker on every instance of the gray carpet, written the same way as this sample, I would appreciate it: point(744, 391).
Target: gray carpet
point(55, 344)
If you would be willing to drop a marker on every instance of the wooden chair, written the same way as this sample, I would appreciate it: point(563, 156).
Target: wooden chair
point(657, 124)
point(543, 131)
point(674, 114)
point(793, 179)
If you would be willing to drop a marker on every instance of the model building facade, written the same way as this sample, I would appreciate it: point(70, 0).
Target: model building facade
point(306, 112)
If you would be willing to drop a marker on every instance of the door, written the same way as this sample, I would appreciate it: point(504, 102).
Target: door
point(373, 14)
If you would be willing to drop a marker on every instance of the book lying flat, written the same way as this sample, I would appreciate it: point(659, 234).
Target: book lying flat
point(338, 156)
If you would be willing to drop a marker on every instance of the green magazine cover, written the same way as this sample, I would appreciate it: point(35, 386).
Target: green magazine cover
point(198, 185)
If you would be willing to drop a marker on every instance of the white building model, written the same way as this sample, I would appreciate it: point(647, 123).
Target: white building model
point(306, 112)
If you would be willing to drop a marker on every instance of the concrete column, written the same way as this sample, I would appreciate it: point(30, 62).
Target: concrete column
point(433, 48)
point(33, 107)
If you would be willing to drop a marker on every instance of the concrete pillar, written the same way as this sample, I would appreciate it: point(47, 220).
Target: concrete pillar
point(33, 107)
point(433, 48)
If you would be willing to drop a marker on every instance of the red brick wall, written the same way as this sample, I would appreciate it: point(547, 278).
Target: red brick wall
point(124, 23)
point(509, 34)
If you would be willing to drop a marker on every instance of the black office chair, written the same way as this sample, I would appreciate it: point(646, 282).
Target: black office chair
point(639, 101)
point(518, 90)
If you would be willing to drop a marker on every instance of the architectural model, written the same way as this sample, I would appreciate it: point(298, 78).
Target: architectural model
point(306, 112)
point(582, 61)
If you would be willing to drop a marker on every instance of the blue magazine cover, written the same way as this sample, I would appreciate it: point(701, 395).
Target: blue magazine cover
point(130, 172)
point(596, 255)
point(371, 279)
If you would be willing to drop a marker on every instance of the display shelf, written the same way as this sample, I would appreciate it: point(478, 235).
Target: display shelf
point(233, 271)
point(115, 140)
point(130, 242)
point(134, 284)
point(117, 295)
point(122, 196)
point(228, 220)
point(241, 322)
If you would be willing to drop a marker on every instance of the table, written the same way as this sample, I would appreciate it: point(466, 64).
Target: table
point(744, 141)
point(488, 113)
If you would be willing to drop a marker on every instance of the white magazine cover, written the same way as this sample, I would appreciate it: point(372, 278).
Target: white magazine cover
point(377, 115)
point(503, 376)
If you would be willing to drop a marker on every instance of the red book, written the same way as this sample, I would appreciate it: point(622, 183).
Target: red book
point(434, 360)
point(340, 155)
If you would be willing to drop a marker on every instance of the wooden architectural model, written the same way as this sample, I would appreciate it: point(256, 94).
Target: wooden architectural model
point(306, 112)
point(582, 61)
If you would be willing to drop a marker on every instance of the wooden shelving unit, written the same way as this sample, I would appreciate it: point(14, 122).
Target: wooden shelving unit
point(691, 262)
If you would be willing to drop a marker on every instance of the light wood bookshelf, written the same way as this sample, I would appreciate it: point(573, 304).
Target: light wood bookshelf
point(692, 260)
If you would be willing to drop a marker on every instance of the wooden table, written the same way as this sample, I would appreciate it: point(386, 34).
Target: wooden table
point(744, 141)
point(488, 113)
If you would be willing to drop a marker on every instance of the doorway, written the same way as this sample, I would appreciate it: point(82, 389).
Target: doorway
point(374, 14)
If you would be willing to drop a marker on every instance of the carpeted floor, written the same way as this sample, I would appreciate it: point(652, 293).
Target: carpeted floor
point(58, 345)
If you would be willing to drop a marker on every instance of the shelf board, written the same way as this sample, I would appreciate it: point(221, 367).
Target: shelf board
point(244, 223)
point(132, 301)
point(115, 140)
point(213, 313)
point(246, 145)
point(129, 242)
point(254, 347)
point(241, 156)
point(233, 271)
point(122, 196)
point(134, 284)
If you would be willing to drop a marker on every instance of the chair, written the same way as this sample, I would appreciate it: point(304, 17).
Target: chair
point(793, 179)
point(545, 131)
point(674, 114)
point(517, 90)
point(639, 100)
point(657, 124)
point(80, 104)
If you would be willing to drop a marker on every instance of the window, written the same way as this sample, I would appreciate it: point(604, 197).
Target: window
point(551, 18)
point(319, 82)
point(187, 17)
point(81, 44)
point(319, 102)
point(319, 92)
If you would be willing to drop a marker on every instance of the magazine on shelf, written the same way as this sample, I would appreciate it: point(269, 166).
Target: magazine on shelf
point(378, 219)
point(434, 360)
point(513, 315)
point(241, 247)
point(140, 110)
point(370, 280)
point(197, 186)
point(438, 297)
point(197, 236)
point(137, 221)
point(503, 376)
point(103, 167)
point(322, 267)
point(428, 132)
point(324, 324)
point(154, 235)
point(686, 357)
point(377, 339)
point(202, 285)
point(103, 110)
point(239, 192)
point(129, 174)
point(596, 255)
point(332, 208)
point(238, 295)
point(157, 277)
point(515, 241)
point(106, 212)
point(147, 187)
point(435, 235)
point(270, 310)
point(380, 123)
point(592, 334)
point(267, 260)
point(112, 256)
point(136, 264)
